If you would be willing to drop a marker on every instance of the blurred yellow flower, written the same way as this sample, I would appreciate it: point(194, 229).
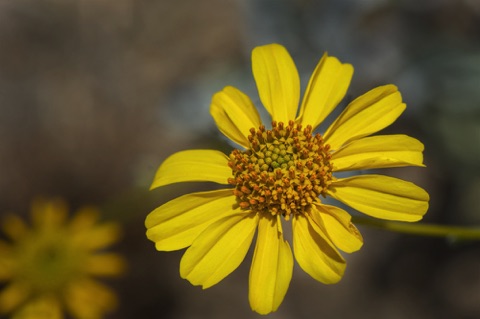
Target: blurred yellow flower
point(281, 172)
point(48, 267)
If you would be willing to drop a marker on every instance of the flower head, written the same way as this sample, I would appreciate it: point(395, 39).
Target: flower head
point(281, 174)
point(48, 267)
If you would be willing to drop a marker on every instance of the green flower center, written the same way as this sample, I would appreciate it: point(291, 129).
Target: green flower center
point(284, 171)
point(48, 262)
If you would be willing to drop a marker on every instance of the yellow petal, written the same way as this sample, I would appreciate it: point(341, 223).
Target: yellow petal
point(98, 237)
point(193, 166)
point(176, 224)
point(234, 114)
point(14, 227)
point(314, 252)
point(382, 197)
point(272, 267)
point(87, 298)
point(107, 264)
point(13, 295)
point(380, 151)
point(277, 81)
point(45, 307)
point(49, 214)
point(84, 219)
point(218, 250)
point(7, 261)
point(365, 115)
point(327, 87)
point(336, 223)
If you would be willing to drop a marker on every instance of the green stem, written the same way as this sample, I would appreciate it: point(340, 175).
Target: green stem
point(452, 232)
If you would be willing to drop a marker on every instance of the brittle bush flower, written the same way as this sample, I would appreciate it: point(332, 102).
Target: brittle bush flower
point(49, 267)
point(281, 173)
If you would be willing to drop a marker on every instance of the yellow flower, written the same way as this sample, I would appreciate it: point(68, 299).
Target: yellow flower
point(282, 172)
point(48, 267)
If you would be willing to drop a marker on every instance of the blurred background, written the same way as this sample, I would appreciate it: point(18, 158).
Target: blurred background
point(95, 94)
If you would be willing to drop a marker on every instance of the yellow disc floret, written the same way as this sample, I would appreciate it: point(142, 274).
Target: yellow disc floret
point(284, 171)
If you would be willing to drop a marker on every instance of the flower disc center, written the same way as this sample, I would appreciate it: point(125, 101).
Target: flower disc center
point(284, 171)
point(48, 262)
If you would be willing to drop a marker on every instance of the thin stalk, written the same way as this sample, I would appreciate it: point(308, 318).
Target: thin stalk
point(451, 232)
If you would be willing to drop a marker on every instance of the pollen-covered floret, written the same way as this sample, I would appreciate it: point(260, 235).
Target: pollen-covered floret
point(284, 171)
